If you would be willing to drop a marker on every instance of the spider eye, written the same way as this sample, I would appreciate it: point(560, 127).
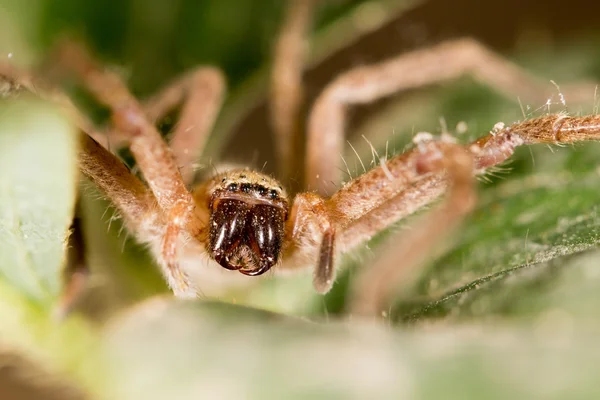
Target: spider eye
point(261, 190)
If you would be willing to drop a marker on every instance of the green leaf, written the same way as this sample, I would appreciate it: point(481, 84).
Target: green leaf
point(38, 178)
point(37, 194)
point(68, 348)
point(168, 349)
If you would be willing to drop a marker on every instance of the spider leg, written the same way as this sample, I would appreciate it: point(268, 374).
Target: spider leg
point(136, 204)
point(311, 230)
point(404, 184)
point(560, 128)
point(441, 63)
point(77, 270)
point(375, 287)
point(201, 92)
point(367, 204)
point(416, 195)
point(112, 176)
point(152, 155)
point(286, 83)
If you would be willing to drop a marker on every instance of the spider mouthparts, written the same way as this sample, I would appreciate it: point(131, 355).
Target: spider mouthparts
point(246, 237)
point(264, 267)
point(244, 262)
point(227, 264)
point(254, 272)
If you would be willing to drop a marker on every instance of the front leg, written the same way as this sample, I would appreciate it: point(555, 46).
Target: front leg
point(154, 158)
point(312, 232)
point(201, 94)
point(375, 287)
point(137, 206)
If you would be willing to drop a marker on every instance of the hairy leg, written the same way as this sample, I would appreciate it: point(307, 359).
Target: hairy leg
point(395, 189)
point(112, 176)
point(418, 194)
point(152, 155)
point(201, 92)
point(76, 271)
point(390, 191)
point(125, 190)
point(319, 228)
point(135, 202)
point(374, 288)
point(402, 185)
point(440, 63)
point(286, 82)
point(311, 230)
point(499, 145)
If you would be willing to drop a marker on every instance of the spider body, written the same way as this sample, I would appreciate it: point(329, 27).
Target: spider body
point(244, 221)
point(248, 211)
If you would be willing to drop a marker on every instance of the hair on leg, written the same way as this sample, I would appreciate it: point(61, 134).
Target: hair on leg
point(201, 92)
point(152, 155)
point(375, 287)
point(311, 230)
point(135, 203)
point(77, 269)
point(112, 176)
point(441, 63)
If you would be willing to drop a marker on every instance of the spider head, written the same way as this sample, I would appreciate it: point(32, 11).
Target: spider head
point(247, 220)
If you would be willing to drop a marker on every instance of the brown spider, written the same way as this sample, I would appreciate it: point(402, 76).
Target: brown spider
point(245, 221)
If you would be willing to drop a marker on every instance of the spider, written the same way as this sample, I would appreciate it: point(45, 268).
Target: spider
point(244, 221)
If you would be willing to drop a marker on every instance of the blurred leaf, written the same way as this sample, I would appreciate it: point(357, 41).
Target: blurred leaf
point(166, 349)
point(68, 348)
point(38, 176)
point(37, 193)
